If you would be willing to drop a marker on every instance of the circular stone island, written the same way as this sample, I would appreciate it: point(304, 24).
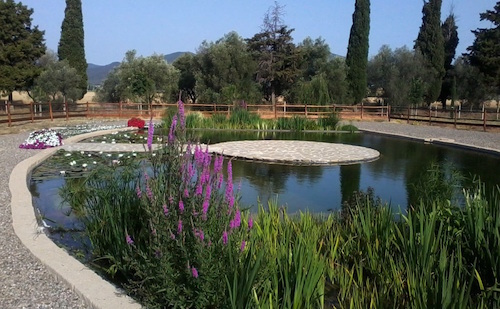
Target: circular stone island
point(296, 152)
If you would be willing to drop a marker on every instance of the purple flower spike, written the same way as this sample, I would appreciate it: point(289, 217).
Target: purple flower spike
point(243, 244)
point(250, 223)
point(165, 209)
point(179, 227)
point(194, 272)
point(129, 239)
point(224, 238)
point(182, 118)
point(181, 206)
point(151, 129)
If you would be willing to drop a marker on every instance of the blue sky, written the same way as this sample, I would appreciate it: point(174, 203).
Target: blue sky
point(160, 26)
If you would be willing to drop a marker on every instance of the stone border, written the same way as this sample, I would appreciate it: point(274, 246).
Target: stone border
point(96, 292)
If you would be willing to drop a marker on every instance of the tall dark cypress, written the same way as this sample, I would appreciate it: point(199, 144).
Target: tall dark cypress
point(357, 50)
point(71, 46)
point(430, 43)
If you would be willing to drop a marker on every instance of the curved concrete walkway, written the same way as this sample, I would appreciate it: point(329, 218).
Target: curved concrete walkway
point(27, 283)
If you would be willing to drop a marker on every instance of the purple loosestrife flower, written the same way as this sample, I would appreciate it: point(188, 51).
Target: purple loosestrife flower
point(243, 244)
point(194, 272)
point(172, 236)
point(151, 129)
point(138, 191)
point(182, 118)
point(129, 239)
point(171, 133)
point(236, 222)
point(229, 185)
point(224, 238)
point(181, 206)
point(186, 193)
point(179, 227)
point(170, 199)
point(250, 223)
point(199, 190)
point(165, 209)
point(205, 209)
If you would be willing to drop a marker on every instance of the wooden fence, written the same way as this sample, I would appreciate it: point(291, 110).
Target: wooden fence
point(17, 112)
point(485, 118)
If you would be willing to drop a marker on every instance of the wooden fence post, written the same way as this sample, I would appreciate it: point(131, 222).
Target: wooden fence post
point(31, 112)
point(8, 113)
point(455, 117)
point(361, 110)
point(484, 119)
point(87, 110)
point(305, 109)
point(408, 117)
point(66, 108)
point(388, 113)
point(50, 111)
point(430, 114)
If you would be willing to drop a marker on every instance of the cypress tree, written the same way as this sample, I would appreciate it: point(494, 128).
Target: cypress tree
point(430, 43)
point(357, 50)
point(71, 45)
point(450, 36)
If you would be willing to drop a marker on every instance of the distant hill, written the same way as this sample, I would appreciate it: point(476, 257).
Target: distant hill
point(98, 73)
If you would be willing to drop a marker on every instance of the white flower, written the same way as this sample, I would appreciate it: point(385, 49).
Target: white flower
point(62, 172)
point(67, 154)
point(94, 162)
point(84, 165)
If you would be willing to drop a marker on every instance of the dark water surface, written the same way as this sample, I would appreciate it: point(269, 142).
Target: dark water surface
point(319, 188)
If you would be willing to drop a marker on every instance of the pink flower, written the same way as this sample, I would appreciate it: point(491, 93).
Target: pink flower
point(224, 237)
point(138, 191)
point(250, 223)
point(129, 239)
point(165, 209)
point(236, 222)
point(243, 244)
point(181, 206)
point(194, 272)
point(179, 227)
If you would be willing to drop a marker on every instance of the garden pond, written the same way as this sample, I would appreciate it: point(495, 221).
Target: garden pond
point(394, 177)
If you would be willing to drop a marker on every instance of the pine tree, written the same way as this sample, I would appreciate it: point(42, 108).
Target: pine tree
point(430, 43)
point(357, 50)
point(485, 51)
point(21, 45)
point(71, 46)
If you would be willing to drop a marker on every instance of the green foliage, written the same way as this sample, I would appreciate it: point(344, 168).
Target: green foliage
point(483, 53)
point(430, 43)
point(357, 50)
point(141, 79)
point(224, 71)
point(71, 45)
point(21, 46)
point(241, 118)
point(276, 54)
point(59, 78)
point(400, 74)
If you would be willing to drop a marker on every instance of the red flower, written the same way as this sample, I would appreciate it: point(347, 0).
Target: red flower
point(136, 122)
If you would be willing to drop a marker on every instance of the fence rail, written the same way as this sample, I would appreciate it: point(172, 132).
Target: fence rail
point(17, 112)
point(485, 118)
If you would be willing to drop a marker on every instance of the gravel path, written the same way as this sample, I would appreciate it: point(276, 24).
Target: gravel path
point(26, 283)
point(475, 139)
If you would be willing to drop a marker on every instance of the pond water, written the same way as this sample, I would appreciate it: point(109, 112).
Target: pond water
point(317, 188)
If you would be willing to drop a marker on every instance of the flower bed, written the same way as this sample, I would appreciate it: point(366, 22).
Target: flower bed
point(42, 139)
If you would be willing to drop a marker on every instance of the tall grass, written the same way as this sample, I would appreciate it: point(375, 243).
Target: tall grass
point(169, 229)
